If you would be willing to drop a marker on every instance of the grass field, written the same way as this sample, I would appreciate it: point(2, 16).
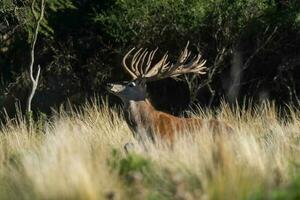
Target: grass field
point(79, 155)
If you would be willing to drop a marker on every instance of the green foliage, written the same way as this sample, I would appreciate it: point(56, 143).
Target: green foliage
point(13, 13)
point(140, 173)
point(146, 21)
point(20, 14)
point(298, 20)
point(218, 28)
point(53, 8)
point(82, 43)
point(129, 165)
point(291, 191)
point(58, 5)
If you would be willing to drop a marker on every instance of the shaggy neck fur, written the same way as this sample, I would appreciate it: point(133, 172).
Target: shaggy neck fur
point(139, 117)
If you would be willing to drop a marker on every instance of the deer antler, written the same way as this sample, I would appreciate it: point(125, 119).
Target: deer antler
point(162, 69)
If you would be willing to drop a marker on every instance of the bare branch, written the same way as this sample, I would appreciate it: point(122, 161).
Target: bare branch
point(270, 37)
point(35, 79)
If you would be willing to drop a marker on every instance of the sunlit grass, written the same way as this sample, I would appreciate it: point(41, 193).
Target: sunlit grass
point(79, 155)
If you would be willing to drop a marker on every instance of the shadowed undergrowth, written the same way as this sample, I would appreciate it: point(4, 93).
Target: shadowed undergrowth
point(79, 155)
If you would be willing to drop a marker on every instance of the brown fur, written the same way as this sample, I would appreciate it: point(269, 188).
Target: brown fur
point(141, 117)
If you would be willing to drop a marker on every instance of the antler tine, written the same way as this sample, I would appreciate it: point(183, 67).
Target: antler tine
point(197, 62)
point(184, 54)
point(134, 62)
point(155, 71)
point(125, 65)
point(163, 69)
point(196, 65)
point(140, 62)
point(150, 58)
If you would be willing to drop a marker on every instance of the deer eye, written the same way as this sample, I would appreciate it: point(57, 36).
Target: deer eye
point(132, 84)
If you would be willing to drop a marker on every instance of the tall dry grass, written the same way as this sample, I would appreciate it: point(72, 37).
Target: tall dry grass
point(79, 155)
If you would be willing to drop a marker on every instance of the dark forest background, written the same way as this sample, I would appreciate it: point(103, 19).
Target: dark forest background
point(252, 49)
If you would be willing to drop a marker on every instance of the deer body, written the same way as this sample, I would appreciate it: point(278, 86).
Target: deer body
point(148, 123)
point(142, 118)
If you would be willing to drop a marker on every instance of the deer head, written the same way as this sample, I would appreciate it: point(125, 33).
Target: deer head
point(142, 70)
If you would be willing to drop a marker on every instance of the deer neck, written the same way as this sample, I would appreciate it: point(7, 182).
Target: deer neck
point(139, 111)
point(139, 117)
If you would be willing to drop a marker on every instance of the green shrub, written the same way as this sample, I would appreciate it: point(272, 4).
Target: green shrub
point(129, 165)
point(146, 21)
point(145, 180)
point(290, 191)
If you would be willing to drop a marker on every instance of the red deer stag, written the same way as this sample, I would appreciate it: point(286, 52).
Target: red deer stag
point(142, 118)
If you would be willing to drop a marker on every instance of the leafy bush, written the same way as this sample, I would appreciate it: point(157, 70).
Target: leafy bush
point(128, 165)
point(146, 21)
point(288, 192)
point(145, 180)
point(82, 44)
